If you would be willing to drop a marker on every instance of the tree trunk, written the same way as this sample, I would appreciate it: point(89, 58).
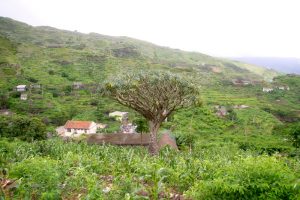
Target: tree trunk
point(153, 144)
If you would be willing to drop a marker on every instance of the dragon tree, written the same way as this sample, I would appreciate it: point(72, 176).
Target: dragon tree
point(155, 95)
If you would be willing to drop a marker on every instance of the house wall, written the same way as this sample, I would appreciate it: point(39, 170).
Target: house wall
point(21, 89)
point(77, 132)
point(93, 128)
point(119, 116)
point(267, 89)
point(74, 132)
point(23, 97)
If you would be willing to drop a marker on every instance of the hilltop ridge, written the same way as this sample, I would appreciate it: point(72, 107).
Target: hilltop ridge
point(59, 48)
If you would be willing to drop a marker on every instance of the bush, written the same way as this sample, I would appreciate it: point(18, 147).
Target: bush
point(51, 72)
point(64, 74)
point(22, 127)
point(248, 178)
point(142, 125)
point(32, 80)
point(40, 178)
point(4, 103)
point(53, 169)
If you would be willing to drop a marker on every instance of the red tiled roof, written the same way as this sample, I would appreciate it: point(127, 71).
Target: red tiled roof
point(78, 124)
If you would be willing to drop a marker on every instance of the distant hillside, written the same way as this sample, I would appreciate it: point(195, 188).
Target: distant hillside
point(63, 70)
point(285, 65)
point(52, 56)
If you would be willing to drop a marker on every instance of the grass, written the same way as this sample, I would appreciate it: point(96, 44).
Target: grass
point(54, 169)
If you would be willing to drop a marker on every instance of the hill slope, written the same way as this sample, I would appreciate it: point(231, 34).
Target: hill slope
point(40, 49)
point(62, 70)
point(56, 59)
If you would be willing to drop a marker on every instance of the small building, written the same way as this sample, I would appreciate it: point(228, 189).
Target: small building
point(120, 116)
point(77, 85)
point(21, 88)
point(36, 86)
point(241, 82)
point(221, 111)
point(128, 128)
point(101, 126)
point(267, 89)
point(240, 106)
point(77, 128)
point(23, 96)
point(283, 87)
point(5, 112)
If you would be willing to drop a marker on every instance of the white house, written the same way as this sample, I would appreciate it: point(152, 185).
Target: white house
point(23, 97)
point(240, 106)
point(36, 86)
point(118, 115)
point(221, 111)
point(77, 128)
point(268, 89)
point(21, 88)
point(128, 128)
point(77, 85)
point(283, 87)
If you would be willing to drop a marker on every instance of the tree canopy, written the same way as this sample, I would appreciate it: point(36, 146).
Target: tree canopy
point(155, 95)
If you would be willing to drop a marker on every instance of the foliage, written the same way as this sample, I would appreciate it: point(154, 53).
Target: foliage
point(198, 120)
point(295, 135)
point(248, 178)
point(142, 125)
point(154, 95)
point(4, 103)
point(40, 178)
point(56, 169)
point(22, 127)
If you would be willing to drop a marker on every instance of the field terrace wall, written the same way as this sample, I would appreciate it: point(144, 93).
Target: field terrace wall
point(131, 140)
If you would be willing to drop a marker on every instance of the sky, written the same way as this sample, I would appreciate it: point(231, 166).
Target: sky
point(225, 28)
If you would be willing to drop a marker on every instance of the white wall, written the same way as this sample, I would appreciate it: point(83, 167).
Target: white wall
point(77, 132)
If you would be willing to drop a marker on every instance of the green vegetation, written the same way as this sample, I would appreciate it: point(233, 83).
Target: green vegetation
point(249, 152)
point(154, 95)
point(54, 169)
point(22, 127)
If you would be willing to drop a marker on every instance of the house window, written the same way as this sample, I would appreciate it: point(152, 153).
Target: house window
point(69, 130)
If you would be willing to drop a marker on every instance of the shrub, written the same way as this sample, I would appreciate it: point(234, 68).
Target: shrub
point(142, 125)
point(249, 178)
point(4, 103)
point(51, 72)
point(22, 127)
point(32, 80)
point(40, 178)
point(64, 74)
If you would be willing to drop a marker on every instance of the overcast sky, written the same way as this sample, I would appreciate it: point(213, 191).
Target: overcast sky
point(215, 27)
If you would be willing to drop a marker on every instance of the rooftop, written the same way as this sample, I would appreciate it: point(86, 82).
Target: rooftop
point(78, 124)
point(21, 86)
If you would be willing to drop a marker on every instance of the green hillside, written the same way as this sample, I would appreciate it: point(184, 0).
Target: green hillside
point(48, 48)
point(250, 152)
point(56, 59)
